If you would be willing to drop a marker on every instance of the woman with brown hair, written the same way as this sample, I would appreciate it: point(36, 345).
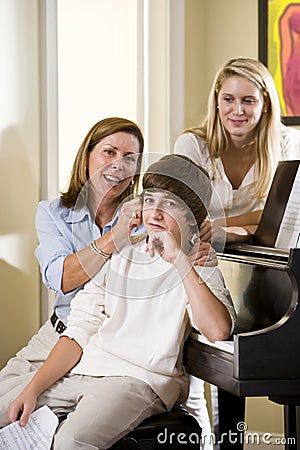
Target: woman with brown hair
point(75, 229)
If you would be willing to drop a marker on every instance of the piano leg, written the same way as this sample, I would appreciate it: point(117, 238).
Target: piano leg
point(290, 426)
point(291, 420)
point(298, 427)
point(231, 418)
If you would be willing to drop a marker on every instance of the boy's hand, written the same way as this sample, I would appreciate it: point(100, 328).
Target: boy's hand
point(163, 243)
point(21, 408)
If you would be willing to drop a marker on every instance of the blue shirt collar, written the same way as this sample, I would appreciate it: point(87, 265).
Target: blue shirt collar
point(78, 215)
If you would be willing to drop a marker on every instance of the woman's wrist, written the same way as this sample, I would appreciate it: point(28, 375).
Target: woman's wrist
point(105, 244)
point(237, 234)
point(98, 251)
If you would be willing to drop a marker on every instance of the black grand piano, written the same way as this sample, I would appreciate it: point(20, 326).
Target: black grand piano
point(263, 358)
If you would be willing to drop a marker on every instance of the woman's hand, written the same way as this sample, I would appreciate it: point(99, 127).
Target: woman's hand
point(165, 244)
point(22, 407)
point(213, 231)
point(130, 217)
point(205, 231)
point(203, 254)
point(230, 229)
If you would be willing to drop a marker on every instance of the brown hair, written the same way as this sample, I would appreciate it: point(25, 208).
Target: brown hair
point(79, 174)
point(181, 176)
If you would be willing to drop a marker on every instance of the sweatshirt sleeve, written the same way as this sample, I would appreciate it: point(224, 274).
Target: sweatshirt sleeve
point(213, 278)
point(87, 310)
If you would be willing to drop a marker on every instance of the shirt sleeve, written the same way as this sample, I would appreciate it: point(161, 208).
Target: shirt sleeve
point(213, 278)
point(55, 243)
point(187, 145)
point(87, 310)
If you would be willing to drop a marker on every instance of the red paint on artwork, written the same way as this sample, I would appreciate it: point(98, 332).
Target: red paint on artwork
point(289, 25)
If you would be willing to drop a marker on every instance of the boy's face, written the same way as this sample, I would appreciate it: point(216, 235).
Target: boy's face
point(163, 211)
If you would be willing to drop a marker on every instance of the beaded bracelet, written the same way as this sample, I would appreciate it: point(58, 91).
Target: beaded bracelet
point(99, 252)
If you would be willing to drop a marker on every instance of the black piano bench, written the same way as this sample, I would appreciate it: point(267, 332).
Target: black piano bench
point(167, 431)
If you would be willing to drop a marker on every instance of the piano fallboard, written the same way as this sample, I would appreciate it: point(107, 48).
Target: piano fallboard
point(263, 358)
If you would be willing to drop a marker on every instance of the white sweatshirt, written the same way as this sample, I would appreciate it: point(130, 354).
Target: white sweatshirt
point(133, 318)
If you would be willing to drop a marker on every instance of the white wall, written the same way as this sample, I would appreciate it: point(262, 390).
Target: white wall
point(19, 173)
point(215, 31)
point(119, 58)
point(98, 69)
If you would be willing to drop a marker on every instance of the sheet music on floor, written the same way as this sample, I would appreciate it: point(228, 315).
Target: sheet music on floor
point(36, 435)
point(289, 231)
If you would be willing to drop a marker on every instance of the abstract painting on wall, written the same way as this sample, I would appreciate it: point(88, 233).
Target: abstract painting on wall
point(279, 50)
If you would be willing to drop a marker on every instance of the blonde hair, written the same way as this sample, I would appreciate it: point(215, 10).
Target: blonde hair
point(268, 129)
point(79, 173)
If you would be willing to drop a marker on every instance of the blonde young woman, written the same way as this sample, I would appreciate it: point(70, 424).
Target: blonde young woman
point(240, 143)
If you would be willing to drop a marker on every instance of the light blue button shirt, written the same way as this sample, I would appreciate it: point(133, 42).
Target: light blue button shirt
point(61, 232)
